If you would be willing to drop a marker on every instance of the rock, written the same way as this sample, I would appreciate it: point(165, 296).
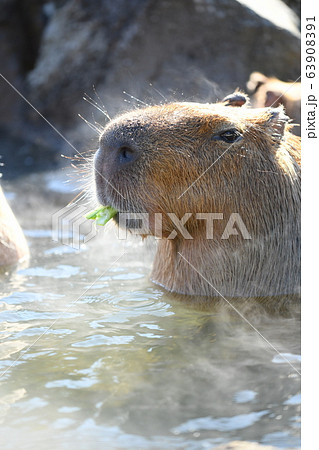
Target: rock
point(186, 49)
point(127, 47)
point(76, 53)
point(21, 145)
point(295, 5)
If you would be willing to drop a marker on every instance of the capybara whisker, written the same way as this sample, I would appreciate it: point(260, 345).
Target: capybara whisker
point(135, 98)
point(92, 102)
point(91, 125)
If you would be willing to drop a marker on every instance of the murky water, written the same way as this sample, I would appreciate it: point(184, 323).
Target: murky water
point(93, 355)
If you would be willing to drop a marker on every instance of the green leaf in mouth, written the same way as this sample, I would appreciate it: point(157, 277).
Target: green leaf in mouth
point(102, 214)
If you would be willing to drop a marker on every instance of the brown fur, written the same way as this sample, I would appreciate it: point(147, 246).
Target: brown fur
point(258, 177)
point(269, 91)
point(13, 246)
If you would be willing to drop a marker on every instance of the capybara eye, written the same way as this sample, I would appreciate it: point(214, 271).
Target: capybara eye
point(230, 136)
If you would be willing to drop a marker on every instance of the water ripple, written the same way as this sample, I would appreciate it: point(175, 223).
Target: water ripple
point(220, 424)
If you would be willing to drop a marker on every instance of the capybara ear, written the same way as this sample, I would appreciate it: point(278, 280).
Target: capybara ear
point(256, 80)
point(277, 120)
point(237, 98)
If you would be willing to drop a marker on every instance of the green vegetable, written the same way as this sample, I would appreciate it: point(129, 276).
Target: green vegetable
point(102, 214)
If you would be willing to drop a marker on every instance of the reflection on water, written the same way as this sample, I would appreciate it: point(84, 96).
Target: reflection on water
point(93, 355)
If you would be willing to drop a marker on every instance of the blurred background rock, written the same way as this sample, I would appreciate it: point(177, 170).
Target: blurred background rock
point(155, 50)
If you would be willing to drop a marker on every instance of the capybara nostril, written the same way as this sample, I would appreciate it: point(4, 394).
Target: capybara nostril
point(126, 154)
point(118, 153)
point(119, 147)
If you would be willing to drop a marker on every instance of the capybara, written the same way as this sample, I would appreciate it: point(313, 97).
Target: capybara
point(13, 245)
point(269, 91)
point(223, 181)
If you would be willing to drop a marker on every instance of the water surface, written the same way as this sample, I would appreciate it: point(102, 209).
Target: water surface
point(93, 355)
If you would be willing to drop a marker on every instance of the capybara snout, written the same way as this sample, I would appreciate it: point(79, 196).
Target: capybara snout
point(151, 156)
point(119, 150)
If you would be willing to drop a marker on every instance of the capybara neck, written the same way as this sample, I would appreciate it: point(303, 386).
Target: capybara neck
point(212, 268)
point(225, 181)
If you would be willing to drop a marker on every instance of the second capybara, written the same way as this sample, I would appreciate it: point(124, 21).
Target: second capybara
point(270, 91)
point(13, 245)
point(220, 185)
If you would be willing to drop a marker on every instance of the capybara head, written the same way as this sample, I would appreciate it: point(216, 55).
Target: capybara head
point(192, 158)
